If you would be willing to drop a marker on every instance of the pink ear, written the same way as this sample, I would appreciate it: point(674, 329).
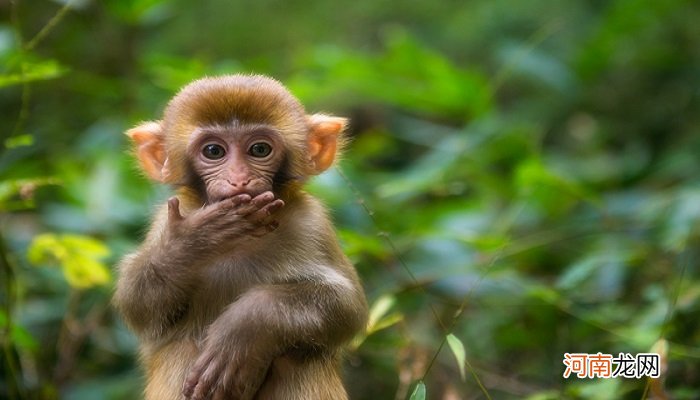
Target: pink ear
point(324, 132)
point(150, 148)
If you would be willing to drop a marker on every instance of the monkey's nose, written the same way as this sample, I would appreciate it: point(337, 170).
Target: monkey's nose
point(240, 183)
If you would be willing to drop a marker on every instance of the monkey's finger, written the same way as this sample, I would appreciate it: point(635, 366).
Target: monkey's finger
point(255, 204)
point(195, 375)
point(224, 206)
point(206, 382)
point(230, 206)
point(263, 198)
point(240, 199)
point(250, 379)
point(219, 213)
point(189, 385)
point(174, 209)
point(272, 207)
point(227, 389)
point(219, 394)
point(266, 211)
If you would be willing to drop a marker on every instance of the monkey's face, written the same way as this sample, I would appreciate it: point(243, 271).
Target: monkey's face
point(235, 134)
point(236, 159)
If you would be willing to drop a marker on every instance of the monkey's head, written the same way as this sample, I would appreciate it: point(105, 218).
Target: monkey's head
point(236, 134)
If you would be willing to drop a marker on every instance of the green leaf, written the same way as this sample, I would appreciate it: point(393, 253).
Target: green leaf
point(579, 272)
point(378, 319)
point(171, 72)
point(19, 141)
point(34, 72)
point(428, 170)
point(18, 334)
point(358, 244)
point(552, 192)
point(522, 59)
point(139, 11)
point(485, 241)
point(457, 348)
point(544, 395)
point(22, 188)
point(544, 293)
point(386, 322)
point(418, 392)
point(407, 74)
point(23, 339)
point(682, 224)
point(380, 307)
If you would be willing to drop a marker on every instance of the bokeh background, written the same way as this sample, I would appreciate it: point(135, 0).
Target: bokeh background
point(522, 181)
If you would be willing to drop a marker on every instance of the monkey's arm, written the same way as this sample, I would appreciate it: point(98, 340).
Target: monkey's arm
point(156, 282)
point(272, 320)
point(310, 315)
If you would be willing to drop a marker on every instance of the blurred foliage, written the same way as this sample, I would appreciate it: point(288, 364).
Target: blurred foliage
point(521, 182)
point(78, 256)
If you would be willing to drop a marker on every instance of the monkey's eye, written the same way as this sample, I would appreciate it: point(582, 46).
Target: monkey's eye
point(260, 149)
point(213, 151)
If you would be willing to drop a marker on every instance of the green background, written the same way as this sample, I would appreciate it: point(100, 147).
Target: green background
point(522, 175)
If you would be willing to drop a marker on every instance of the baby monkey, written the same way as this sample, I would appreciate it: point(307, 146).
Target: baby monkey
point(240, 289)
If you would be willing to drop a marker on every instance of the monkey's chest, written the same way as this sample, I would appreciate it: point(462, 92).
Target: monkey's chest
point(223, 282)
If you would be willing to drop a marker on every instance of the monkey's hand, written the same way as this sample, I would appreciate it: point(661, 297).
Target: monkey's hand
point(233, 362)
point(219, 223)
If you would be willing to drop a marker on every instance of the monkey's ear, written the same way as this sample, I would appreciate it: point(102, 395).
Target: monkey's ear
point(324, 140)
point(150, 148)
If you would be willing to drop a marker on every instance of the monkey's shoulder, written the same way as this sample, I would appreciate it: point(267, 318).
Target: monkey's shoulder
point(308, 214)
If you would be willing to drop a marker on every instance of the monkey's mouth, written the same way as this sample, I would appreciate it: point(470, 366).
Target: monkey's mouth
point(233, 193)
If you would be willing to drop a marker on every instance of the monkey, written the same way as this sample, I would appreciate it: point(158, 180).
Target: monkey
point(240, 289)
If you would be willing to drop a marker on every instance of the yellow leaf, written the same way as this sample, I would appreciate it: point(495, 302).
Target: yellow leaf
point(85, 245)
point(79, 257)
point(44, 249)
point(84, 272)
